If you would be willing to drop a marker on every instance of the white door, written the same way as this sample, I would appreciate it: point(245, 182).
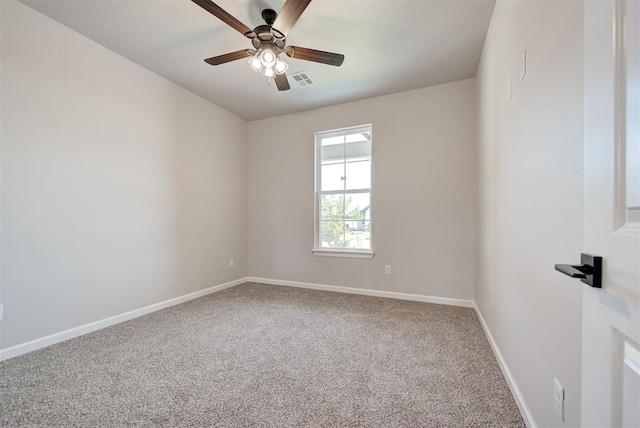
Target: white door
point(611, 321)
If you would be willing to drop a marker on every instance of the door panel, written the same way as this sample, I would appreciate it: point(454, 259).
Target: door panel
point(610, 314)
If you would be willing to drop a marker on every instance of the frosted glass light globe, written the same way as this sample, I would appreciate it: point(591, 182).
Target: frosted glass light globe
point(281, 67)
point(268, 58)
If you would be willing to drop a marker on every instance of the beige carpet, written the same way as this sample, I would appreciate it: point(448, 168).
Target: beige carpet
point(267, 356)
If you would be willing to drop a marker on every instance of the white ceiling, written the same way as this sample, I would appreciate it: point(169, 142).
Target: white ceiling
point(389, 46)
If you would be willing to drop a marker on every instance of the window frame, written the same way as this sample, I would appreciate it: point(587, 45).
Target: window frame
point(339, 252)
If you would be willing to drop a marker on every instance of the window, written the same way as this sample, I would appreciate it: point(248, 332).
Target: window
point(343, 192)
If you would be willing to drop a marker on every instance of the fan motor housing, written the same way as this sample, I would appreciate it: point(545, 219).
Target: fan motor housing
point(263, 32)
point(264, 35)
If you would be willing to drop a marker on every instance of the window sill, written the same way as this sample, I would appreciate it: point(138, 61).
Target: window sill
point(354, 254)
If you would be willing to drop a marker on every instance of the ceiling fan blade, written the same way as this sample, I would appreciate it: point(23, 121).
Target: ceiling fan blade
point(288, 16)
point(282, 82)
point(223, 16)
point(315, 55)
point(232, 56)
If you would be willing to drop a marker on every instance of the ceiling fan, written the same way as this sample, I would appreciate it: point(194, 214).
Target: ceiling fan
point(269, 41)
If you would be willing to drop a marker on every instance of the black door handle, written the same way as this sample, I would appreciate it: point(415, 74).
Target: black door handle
point(575, 271)
point(589, 272)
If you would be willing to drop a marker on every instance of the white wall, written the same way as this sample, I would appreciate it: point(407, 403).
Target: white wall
point(119, 188)
point(531, 195)
point(424, 171)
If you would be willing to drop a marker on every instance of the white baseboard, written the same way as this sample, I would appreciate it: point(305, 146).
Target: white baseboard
point(366, 292)
point(33, 345)
point(513, 386)
point(52, 339)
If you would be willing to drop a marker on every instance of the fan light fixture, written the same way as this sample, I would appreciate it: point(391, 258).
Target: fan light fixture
point(268, 63)
point(269, 42)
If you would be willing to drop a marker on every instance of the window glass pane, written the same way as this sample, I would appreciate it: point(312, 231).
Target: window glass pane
point(332, 207)
point(358, 175)
point(332, 140)
point(358, 151)
point(359, 136)
point(359, 237)
point(332, 177)
point(332, 234)
point(357, 221)
point(332, 154)
point(357, 206)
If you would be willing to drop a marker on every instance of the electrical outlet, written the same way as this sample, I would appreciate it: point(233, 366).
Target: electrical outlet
point(558, 398)
point(231, 264)
point(387, 270)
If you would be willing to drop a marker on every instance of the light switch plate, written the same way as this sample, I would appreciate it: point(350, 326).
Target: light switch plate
point(558, 398)
point(523, 65)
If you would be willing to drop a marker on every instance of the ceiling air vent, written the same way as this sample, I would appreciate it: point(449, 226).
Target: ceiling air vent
point(300, 80)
